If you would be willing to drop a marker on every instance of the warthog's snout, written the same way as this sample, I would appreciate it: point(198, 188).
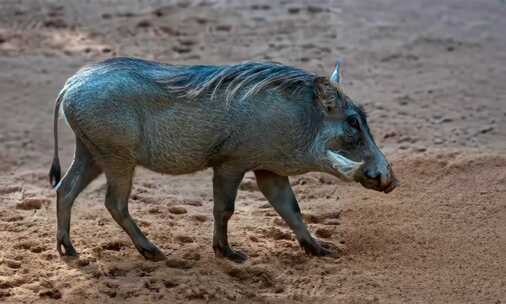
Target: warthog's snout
point(378, 177)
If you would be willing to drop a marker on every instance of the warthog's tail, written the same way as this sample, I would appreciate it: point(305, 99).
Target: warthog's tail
point(55, 171)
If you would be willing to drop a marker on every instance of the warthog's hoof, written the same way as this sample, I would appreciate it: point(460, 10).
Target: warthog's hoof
point(65, 248)
point(153, 254)
point(318, 248)
point(228, 253)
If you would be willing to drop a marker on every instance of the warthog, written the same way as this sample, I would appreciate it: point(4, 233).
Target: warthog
point(270, 118)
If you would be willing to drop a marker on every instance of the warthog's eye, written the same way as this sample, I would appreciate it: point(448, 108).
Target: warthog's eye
point(352, 130)
point(353, 122)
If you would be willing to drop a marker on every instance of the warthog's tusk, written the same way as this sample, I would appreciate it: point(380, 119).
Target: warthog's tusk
point(345, 166)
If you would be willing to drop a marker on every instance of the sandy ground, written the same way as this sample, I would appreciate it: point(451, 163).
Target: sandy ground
point(431, 75)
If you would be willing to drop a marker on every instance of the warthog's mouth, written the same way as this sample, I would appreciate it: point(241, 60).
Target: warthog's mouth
point(394, 183)
point(346, 167)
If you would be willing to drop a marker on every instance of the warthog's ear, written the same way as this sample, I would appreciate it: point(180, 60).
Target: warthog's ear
point(336, 77)
point(325, 94)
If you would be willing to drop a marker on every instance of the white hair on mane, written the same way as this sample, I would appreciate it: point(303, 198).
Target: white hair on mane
point(192, 81)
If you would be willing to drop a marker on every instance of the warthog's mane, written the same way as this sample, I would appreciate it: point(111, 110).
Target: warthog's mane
point(248, 78)
point(237, 81)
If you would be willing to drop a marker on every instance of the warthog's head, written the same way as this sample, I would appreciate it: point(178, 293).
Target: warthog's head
point(344, 144)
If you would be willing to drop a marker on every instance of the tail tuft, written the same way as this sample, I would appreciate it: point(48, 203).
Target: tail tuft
point(55, 173)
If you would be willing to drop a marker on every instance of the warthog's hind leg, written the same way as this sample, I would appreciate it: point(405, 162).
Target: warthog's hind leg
point(225, 185)
point(119, 185)
point(82, 171)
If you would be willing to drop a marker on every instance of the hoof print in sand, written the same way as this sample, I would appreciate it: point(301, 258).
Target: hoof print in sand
point(191, 256)
point(29, 245)
point(254, 275)
point(184, 238)
point(115, 271)
point(168, 283)
point(5, 294)
point(178, 263)
point(277, 234)
point(12, 263)
point(114, 245)
point(177, 210)
point(324, 232)
point(50, 293)
point(199, 218)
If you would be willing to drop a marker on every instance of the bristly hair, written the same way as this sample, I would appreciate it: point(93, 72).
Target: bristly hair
point(192, 81)
point(247, 78)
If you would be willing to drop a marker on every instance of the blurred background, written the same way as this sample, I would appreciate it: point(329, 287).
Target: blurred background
point(431, 75)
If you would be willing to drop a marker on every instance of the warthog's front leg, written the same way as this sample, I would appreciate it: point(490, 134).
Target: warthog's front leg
point(278, 192)
point(225, 185)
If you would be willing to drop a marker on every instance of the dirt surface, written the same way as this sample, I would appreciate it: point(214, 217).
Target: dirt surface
point(431, 75)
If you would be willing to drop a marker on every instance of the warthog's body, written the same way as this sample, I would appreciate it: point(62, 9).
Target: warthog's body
point(180, 119)
point(122, 107)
